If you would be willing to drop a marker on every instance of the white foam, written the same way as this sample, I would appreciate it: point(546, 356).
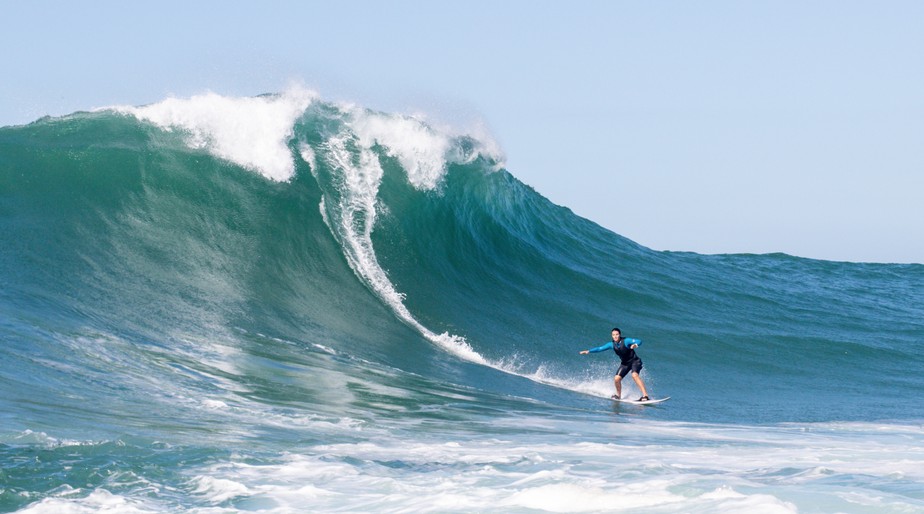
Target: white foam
point(99, 501)
point(250, 132)
point(219, 490)
point(308, 155)
point(573, 497)
point(41, 438)
point(214, 404)
point(725, 499)
point(421, 151)
point(580, 465)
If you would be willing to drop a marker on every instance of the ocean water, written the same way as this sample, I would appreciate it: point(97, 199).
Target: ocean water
point(285, 304)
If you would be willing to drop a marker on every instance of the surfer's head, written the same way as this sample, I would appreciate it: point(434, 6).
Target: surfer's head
point(617, 334)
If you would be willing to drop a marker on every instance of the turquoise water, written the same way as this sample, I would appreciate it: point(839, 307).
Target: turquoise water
point(283, 304)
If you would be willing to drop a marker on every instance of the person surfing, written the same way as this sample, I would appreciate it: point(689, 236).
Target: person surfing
point(629, 361)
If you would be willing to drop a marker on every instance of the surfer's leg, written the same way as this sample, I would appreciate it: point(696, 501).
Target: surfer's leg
point(639, 383)
point(617, 380)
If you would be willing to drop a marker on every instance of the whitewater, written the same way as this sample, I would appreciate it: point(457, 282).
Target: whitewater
point(286, 304)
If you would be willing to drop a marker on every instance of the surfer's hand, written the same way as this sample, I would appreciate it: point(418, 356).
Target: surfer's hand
point(634, 346)
point(585, 352)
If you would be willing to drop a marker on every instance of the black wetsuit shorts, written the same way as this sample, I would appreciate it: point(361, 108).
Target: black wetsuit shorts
point(635, 366)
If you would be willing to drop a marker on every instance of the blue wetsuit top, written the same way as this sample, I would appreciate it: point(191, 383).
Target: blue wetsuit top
point(626, 354)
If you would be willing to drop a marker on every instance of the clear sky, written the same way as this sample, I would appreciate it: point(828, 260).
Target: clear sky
point(714, 127)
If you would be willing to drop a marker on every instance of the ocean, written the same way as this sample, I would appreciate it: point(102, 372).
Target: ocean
point(287, 304)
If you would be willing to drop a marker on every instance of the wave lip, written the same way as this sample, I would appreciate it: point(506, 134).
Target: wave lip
point(251, 132)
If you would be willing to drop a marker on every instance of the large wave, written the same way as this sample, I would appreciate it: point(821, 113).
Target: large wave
point(343, 145)
point(302, 219)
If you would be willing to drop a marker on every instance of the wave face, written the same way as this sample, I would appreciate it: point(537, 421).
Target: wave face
point(278, 273)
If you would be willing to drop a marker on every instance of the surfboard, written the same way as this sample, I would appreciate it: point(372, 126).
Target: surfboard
point(646, 402)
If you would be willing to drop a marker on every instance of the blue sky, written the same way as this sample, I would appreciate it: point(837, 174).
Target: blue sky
point(712, 127)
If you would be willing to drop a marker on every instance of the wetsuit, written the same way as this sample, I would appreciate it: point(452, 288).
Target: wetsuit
point(628, 359)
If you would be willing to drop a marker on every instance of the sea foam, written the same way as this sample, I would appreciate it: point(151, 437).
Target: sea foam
point(251, 132)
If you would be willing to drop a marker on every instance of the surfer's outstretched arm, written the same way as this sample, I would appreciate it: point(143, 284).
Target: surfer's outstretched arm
point(607, 346)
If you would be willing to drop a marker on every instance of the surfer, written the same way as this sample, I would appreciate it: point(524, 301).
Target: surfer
point(629, 361)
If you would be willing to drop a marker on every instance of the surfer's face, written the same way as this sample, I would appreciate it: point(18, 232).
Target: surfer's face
point(615, 335)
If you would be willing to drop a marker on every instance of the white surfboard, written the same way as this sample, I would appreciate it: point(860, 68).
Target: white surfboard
point(646, 402)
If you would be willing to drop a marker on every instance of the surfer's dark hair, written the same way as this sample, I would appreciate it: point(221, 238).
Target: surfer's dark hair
point(616, 329)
